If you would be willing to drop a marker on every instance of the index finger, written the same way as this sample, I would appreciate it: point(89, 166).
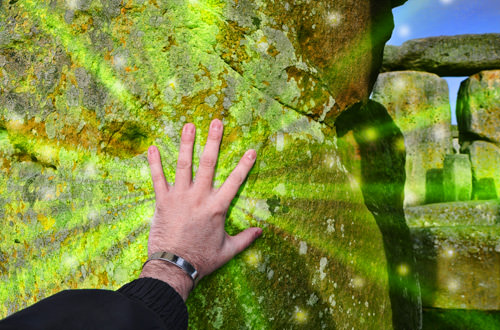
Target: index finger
point(160, 185)
point(230, 187)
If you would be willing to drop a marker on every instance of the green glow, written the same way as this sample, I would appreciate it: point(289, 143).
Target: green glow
point(258, 117)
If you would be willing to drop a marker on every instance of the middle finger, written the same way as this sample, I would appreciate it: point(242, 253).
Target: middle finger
point(205, 174)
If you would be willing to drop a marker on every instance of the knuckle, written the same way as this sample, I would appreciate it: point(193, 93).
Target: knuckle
point(183, 164)
point(208, 162)
point(214, 136)
point(237, 178)
point(157, 177)
point(219, 209)
point(187, 139)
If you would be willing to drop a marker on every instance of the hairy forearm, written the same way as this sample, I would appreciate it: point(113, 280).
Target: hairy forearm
point(171, 274)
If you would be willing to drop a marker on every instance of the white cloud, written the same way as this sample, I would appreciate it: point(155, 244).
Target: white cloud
point(446, 2)
point(404, 31)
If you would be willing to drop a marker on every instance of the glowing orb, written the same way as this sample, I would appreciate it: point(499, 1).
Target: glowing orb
point(300, 315)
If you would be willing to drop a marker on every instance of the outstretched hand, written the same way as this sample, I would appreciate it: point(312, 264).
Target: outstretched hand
point(189, 216)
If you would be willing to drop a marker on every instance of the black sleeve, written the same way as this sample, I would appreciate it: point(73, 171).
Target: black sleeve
point(145, 303)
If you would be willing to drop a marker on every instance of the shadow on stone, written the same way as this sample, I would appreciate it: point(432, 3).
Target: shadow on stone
point(434, 192)
point(460, 319)
point(382, 171)
point(484, 189)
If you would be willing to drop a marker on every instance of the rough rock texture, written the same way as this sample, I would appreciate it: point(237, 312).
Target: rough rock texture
point(458, 266)
point(418, 103)
point(478, 107)
point(460, 55)
point(457, 246)
point(485, 161)
point(457, 178)
point(86, 86)
point(479, 213)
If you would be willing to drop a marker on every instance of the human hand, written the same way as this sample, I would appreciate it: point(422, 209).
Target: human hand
point(189, 216)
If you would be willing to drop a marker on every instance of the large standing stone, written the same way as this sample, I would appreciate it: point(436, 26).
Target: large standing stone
point(457, 246)
point(457, 178)
point(86, 86)
point(485, 161)
point(418, 103)
point(458, 266)
point(478, 107)
point(460, 55)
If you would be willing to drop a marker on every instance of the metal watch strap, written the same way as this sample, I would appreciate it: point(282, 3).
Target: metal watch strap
point(176, 260)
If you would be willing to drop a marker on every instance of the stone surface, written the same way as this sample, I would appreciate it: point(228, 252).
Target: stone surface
point(86, 86)
point(458, 266)
point(460, 319)
point(418, 103)
point(480, 213)
point(478, 107)
point(457, 178)
point(460, 55)
point(485, 161)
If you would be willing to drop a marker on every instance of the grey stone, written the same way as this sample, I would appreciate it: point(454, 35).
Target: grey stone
point(462, 213)
point(459, 266)
point(457, 184)
point(460, 55)
point(418, 103)
point(111, 8)
point(485, 161)
point(478, 107)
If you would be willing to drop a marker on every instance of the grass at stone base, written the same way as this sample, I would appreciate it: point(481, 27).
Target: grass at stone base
point(460, 319)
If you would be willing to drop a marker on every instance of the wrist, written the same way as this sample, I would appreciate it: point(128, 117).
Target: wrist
point(170, 274)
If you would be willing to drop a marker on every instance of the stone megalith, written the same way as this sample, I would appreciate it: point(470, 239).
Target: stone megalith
point(418, 103)
point(87, 86)
point(460, 55)
point(478, 107)
point(485, 161)
point(457, 178)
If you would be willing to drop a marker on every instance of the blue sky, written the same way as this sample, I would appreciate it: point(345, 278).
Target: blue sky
point(427, 18)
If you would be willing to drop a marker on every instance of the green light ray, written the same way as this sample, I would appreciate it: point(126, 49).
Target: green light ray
point(378, 276)
point(22, 282)
point(67, 221)
point(125, 251)
point(79, 51)
point(247, 303)
point(125, 247)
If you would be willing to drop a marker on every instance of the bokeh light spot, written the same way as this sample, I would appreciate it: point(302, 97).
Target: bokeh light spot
point(300, 315)
point(403, 269)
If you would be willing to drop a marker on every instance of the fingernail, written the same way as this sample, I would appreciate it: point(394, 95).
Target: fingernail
point(151, 150)
point(216, 125)
point(251, 154)
point(188, 129)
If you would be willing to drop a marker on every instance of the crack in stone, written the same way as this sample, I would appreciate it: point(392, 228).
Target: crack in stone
point(312, 116)
point(111, 136)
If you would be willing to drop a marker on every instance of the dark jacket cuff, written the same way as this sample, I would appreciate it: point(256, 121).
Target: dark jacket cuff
point(159, 297)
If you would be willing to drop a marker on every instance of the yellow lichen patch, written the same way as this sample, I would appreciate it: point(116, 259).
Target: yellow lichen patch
point(130, 186)
point(234, 55)
point(46, 221)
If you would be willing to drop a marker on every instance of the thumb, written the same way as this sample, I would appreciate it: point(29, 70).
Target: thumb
point(242, 240)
